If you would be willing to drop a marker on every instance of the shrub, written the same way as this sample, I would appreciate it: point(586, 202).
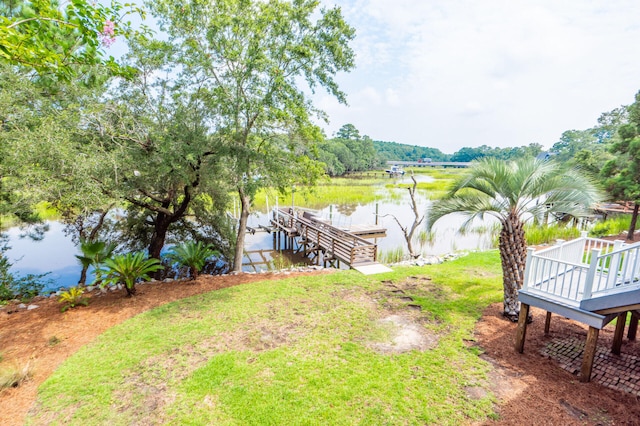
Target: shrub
point(193, 255)
point(72, 298)
point(612, 226)
point(127, 269)
point(94, 253)
point(11, 377)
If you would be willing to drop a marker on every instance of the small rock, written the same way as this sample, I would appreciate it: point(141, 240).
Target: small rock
point(167, 280)
point(53, 296)
point(32, 307)
point(90, 288)
point(22, 306)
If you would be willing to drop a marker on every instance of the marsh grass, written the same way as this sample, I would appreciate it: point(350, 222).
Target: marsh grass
point(612, 226)
point(394, 255)
point(536, 234)
point(295, 351)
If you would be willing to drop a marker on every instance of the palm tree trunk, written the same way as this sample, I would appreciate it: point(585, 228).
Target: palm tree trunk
point(513, 255)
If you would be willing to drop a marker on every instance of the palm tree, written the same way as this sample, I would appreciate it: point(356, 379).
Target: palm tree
point(193, 255)
point(514, 192)
point(93, 254)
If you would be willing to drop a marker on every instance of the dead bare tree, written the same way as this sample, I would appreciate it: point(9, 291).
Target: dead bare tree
point(409, 232)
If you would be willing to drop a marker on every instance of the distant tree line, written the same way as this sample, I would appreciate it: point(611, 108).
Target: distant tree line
point(349, 152)
point(390, 151)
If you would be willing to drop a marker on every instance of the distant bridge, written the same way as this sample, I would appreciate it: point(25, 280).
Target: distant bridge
point(431, 164)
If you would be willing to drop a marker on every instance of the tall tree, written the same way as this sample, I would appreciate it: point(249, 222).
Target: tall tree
point(158, 153)
point(622, 173)
point(511, 192)
point(251, 57)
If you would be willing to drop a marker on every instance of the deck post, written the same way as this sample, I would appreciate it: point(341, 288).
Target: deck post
point(633, 326)
point(547, 323)
point(522, 327)
point(621, 321)
point(591, 274)
point(589, 354)
point(527, 267)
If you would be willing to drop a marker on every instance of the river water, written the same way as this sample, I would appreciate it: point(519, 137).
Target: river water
point(55, 253)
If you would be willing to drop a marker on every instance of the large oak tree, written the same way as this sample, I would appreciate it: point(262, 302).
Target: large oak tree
point(254, 59)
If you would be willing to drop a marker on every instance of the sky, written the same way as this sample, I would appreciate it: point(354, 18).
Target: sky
point(454, 73)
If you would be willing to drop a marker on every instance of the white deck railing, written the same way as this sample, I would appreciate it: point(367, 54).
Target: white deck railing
point(582, 268)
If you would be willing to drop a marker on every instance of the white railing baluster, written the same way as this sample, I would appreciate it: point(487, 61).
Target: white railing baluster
point(527, 267)
point(588, 285)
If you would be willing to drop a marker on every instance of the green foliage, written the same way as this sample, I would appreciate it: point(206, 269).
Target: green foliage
point(249, 59)
point(347, 152)
point(62, 41)
point(94, 253)
point(537, 234)
point(127, 269)
point(470, 154)
point(72, 298)
point(193, 255)
point(394, 255)
point(612, 226)
point(388, 151)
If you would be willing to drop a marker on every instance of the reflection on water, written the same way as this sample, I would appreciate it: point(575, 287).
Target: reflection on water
point(55, 253)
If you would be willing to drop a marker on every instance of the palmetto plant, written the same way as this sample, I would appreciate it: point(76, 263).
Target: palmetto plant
point(93, 254)
point(193, 255)
point(128, 269)
point(72, 298)
point(512, 192)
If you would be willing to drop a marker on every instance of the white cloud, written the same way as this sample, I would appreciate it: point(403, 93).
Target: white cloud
point(466, 73)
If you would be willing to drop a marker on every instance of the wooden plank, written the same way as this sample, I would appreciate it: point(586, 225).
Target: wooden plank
point(522, 327)
point(589, 354)
point(621, 321)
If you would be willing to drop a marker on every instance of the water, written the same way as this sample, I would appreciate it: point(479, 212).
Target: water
point(55, 253)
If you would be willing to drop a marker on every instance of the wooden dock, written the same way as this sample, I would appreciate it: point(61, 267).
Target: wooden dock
point(326, 243)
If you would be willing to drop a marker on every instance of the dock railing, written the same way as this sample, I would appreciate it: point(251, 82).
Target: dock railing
point(338, 243)
point(579, 269)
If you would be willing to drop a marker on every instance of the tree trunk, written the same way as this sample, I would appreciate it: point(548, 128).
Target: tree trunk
point(513, 255)
point(160, 228)
point(83, 275)
point(242, 230)
point(632, 226)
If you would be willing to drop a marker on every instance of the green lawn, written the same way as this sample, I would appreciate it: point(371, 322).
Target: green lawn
point(296, 351)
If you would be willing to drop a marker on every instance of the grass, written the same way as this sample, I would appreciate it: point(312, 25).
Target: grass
point(12, 376)
point(612, 226)
point(394, 255)
point(294, 351)
point(363, 188)
point(548, 234)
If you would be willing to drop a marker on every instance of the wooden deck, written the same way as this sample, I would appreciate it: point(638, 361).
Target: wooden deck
point(588, 280)
point(326, 243)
